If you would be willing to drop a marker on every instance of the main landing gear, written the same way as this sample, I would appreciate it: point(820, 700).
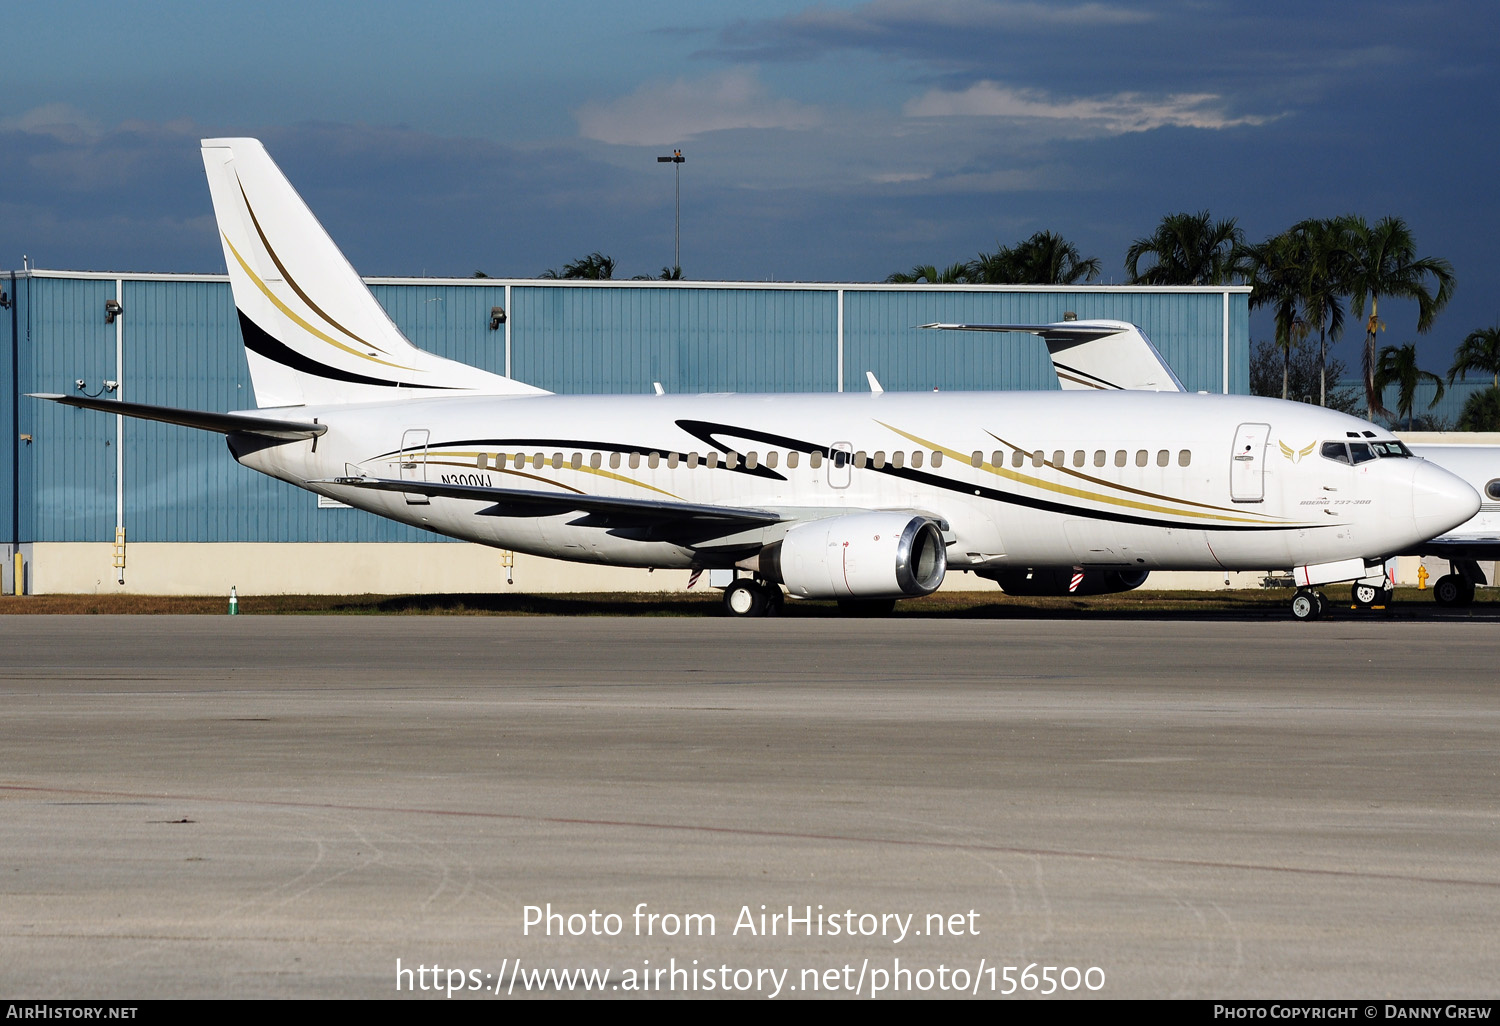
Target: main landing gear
point(747, 597)
point(1453, 590)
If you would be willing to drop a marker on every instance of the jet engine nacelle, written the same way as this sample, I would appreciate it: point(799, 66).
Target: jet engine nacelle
point(1058, 580)
point(859, 556)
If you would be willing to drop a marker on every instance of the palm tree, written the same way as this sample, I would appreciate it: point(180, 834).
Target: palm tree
point(1384, 262)
point(1189, 249)
point(1044, 259)
point(595, 266)
point(1479, 351)
point(1328, 252)
point(952, 275)
point(1399, 366)
point(1277, 269)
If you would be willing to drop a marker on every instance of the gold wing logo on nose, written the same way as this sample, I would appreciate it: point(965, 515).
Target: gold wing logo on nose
point(1295, 455)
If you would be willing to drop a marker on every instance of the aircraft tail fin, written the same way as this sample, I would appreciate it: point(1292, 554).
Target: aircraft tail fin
point(314, 333)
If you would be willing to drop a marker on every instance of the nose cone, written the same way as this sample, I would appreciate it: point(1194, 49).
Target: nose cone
point(1440, 501)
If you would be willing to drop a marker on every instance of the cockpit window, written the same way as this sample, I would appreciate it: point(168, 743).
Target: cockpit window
point(1390, 448)
point(1336, 451)
point(1361, 453)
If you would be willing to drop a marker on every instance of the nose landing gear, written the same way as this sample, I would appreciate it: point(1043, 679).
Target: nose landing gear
point(1307, 604)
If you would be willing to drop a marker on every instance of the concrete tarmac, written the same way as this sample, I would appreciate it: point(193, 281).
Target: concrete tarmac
point(297, 806)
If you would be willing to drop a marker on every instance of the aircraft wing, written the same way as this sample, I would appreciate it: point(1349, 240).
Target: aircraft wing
point(1099, 355)
point(223, 423)
point(522, 502)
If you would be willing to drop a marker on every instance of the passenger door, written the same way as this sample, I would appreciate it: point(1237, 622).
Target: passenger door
point(1247, 469)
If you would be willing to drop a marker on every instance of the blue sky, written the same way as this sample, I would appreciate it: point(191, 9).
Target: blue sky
point(824, 141)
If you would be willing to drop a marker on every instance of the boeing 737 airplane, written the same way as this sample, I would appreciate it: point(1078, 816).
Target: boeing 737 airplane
point(862, 498)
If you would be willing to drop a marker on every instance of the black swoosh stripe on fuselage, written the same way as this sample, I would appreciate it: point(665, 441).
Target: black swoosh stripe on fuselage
point(906, 473)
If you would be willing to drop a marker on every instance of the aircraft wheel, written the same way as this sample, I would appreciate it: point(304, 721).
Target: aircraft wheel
point(745, 598)
point(1366, 595)
point(866, 607)
point(1306, 606)
point(1465, 592)
point(1453, 590)
point(775, 599)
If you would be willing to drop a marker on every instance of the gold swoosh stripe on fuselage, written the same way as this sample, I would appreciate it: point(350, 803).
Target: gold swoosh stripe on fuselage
point(1063, 489)
point(1111, 484)
point(470, 465)
point(293, 315)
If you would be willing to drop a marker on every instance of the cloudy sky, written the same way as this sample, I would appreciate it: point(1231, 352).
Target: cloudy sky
point(831, 141)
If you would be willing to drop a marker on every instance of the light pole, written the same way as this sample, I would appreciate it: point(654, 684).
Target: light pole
point(676, 158)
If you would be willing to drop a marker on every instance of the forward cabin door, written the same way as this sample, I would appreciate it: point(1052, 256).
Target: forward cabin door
point(1247, 470)
point(414, 462)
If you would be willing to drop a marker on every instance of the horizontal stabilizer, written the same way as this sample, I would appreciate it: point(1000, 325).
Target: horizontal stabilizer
point(223, 423)
point(526, 502)
point(1099, 355)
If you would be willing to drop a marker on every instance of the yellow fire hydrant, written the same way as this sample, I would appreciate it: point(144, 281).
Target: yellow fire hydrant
point(1422, 576)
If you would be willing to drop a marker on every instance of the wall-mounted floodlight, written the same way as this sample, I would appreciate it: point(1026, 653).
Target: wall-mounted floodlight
point(497, 317)
point(4, 300)
point(112, 309)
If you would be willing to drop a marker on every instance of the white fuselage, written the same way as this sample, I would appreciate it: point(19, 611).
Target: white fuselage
point(1125, 479)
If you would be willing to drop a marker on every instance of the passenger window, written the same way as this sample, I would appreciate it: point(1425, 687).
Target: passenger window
point(711, 461)
point(577, 460)
point(815, 459)
point(1142, 457)
point(771, 459)
point(976, 459)
point(1335, 451)
point(996, 458)
point(731, 460)
point(916, 459)
point(751, 460)
point(520, 460)
point(1077, 457)
point(859, 459)
point(791, 461)
point(898, 460)
point(1017, 458)
point(1184, 457)
point(1120, 456)
point(635, 461)
point(482, 460)
point(614, 461)
point(672, 459)
point(536, 461)
point(692, 460)
point(596, 459)
point(878, 460)
point(1361, 453)
point(1163, 458)
point(1100, 456)
point(1059, 458)
point(937, 459)
point(557, 461)
point(1037, 458)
